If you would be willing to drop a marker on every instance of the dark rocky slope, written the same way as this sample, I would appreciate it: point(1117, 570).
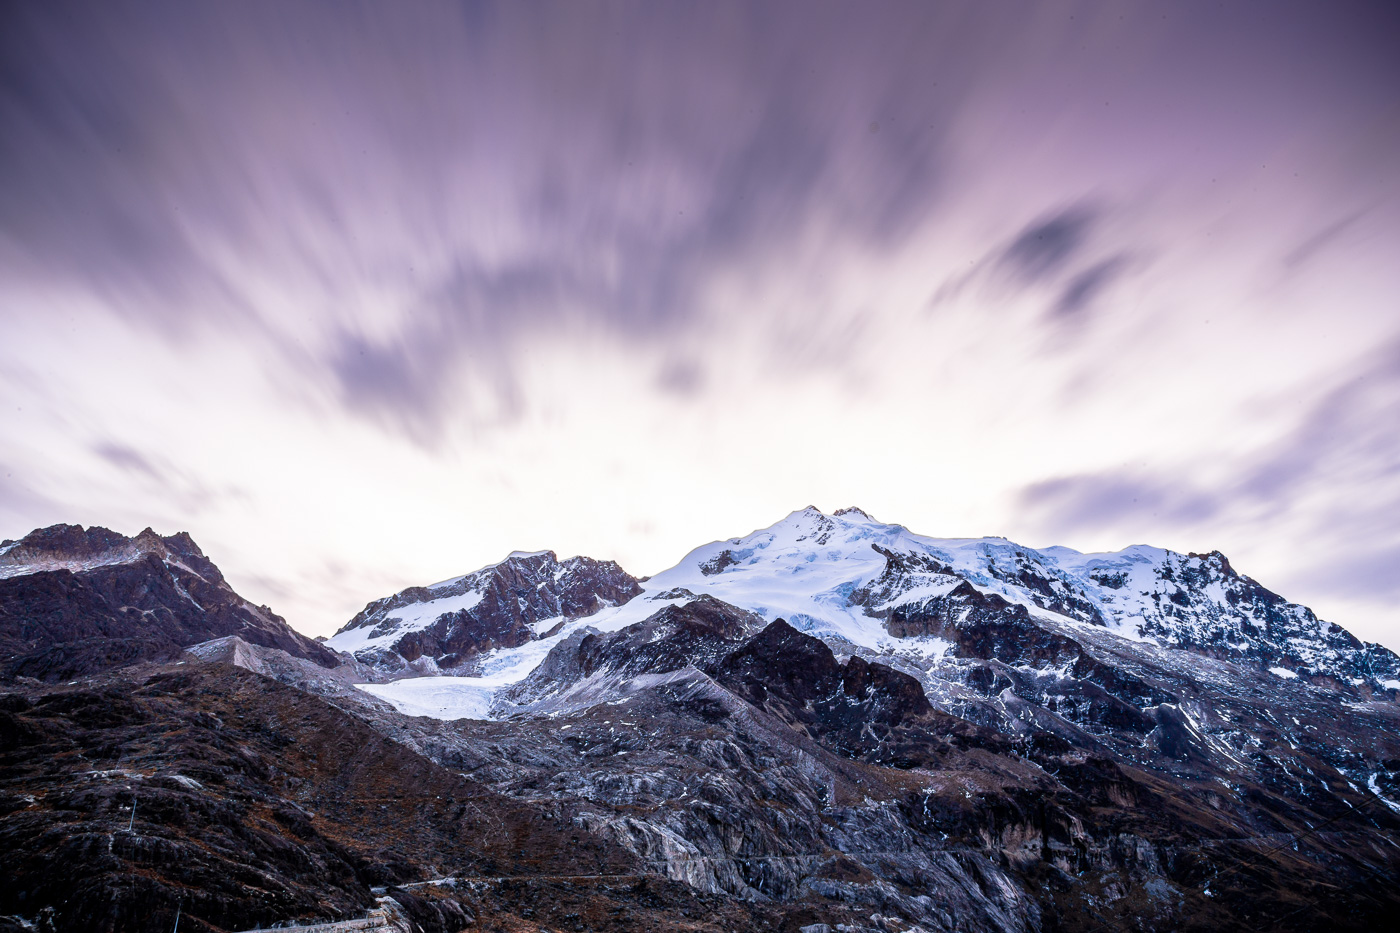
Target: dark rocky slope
point(257, 804)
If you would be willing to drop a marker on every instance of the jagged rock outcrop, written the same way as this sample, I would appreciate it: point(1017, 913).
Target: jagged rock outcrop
point(1199, 601)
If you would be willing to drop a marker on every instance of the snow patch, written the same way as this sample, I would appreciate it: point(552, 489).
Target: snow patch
point(463, 697)
point(544, 625)
point(1373, 784)
point(411, 618)
point(125, 555)
point(438, 697)
point(470, 697)
point(924, 647)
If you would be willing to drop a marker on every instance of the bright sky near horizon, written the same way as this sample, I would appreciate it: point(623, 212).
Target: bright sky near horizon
point(367, 296)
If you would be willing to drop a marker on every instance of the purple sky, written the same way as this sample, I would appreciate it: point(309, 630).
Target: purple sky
point(368, 296)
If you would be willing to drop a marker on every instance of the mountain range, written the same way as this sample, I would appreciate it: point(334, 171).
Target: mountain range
point(830, 723)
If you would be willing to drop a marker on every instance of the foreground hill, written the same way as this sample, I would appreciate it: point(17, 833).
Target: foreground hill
point(255, 803)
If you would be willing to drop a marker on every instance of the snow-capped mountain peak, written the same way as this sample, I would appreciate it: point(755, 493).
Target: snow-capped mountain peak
point(849, 576)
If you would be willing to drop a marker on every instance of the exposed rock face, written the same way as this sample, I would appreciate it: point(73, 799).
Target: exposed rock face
point(75, 600)
point(701, 632)
point(337, 683)
point(859, 710)
point(505, 605)
point(698, 633)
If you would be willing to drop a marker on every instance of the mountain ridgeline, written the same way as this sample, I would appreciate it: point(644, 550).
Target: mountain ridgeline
point(831, 723)
point(875, 579)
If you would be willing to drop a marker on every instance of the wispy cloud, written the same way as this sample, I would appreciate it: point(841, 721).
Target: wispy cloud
point(1335, 476)
point(1093, 501)
point(592, 183)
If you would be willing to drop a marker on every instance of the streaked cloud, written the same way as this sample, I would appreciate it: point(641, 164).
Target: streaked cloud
point(1047, 245)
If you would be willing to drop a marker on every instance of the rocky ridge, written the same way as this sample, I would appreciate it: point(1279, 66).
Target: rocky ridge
point(447, 625)
point(77, 600)
point(849, 578)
